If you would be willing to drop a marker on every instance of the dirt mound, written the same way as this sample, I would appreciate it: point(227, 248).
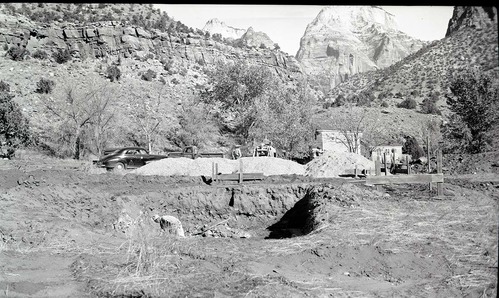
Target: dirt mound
point(333, 164)
point(203, 166)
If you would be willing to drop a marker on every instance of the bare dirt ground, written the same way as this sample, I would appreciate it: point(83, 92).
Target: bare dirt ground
point(69, 230)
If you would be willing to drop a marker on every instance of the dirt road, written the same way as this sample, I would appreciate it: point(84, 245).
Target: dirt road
point(69, 230)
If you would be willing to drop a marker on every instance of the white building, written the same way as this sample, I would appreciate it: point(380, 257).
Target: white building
point(338, 141)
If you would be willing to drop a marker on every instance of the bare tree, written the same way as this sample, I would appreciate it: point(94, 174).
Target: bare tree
point(76, 106)
point(150, 110)
point(359, 127)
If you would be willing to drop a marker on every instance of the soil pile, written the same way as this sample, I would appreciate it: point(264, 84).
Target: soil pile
point(333, 164)
point(203, 166)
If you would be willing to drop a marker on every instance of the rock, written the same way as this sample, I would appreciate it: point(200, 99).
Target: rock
point(351, 40)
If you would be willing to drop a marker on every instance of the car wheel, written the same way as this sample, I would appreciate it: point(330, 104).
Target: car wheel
point(119, 166)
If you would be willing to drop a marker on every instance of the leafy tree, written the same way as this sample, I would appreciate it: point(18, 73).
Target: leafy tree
point(474, 100)
point(412, 147)
point(196, 126)
point(14, 126)
point(284, 116)
point(235, 89)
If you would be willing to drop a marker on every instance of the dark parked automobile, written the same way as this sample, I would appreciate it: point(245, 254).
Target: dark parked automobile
point(126, 158)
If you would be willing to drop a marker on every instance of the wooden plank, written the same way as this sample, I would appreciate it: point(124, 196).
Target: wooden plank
point(397, 179)
point(245, 176)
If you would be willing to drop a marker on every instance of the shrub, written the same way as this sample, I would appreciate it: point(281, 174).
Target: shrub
point(411, 146)
point(4, 87)
point(384, 104)
point(17, 53)
point(40, 54)
point(429, 107)
point(409, 103)
point(5, 47)
point(113, 73)
point(61, 56)
point(44, 86)
point(149, 75)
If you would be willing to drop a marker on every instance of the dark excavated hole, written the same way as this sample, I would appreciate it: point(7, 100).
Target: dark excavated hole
point(296, 221)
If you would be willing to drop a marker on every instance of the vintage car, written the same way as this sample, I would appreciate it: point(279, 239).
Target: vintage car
point(126, 158)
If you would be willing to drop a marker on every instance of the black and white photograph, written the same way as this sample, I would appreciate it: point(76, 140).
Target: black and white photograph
point(248, 150)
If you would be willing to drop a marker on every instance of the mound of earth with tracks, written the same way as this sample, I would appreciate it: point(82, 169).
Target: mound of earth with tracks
point(204, 166)
point(334, 164)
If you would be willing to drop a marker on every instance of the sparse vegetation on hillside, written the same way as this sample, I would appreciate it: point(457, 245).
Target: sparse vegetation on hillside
point(44, 86)
point(61, 56)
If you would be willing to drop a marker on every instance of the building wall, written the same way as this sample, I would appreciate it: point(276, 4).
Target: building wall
point(333, 140)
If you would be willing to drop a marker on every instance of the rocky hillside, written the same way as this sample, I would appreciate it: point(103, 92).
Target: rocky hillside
point(215, 26)
point(346, 40)
point(121, 38)
point(472, 40)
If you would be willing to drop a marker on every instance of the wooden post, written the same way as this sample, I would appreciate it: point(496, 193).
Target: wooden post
point(428, 156)
point(377, 170)
point(213, 171)
point(407, 164)
point(240, 171)
point(440, 188)
point(386, 164)
point(216, 172)
point(355, 172)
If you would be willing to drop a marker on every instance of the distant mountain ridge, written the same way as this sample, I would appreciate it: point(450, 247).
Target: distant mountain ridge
point(215, 26)
point(345, 40)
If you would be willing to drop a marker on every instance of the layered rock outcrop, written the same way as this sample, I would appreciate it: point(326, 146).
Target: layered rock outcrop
point(111, 38)
point(476, 17)
point(346, 40)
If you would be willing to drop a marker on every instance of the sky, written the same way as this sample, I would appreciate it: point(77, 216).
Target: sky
point(286, 24)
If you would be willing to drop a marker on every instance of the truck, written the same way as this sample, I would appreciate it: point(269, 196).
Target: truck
point(193, 152)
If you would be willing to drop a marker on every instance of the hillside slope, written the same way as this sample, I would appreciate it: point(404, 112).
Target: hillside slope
point(429, 70)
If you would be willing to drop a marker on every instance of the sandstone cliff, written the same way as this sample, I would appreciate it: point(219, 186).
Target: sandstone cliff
point(117, 38)
point(346, 40)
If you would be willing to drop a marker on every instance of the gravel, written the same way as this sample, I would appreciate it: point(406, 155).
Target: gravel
point(332, 164)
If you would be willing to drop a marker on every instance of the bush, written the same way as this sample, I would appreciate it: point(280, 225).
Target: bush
point(17, 53)
point(384, 104)
point(44, 86)
point(149, 75)
point(40, 54)
point(411, 146)
point(4, 87)
point(113, 73)
point(430, 107)
point(409, 103)
point(62, 56)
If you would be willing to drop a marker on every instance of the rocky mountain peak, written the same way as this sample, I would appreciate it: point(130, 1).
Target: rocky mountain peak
point(472, 16)
point(252, 38)
point(214, 26)
point(345, 40)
